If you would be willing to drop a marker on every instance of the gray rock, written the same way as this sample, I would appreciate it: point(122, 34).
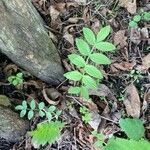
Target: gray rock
point(12, 127)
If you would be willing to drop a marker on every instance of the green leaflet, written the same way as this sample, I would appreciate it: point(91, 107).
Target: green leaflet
point(100, 59)
point(83, 47)
point(132, 127)
point(84, 92)
point(89, 36)
point(93, 71)
point(105, 46)
point(73, 75)
point(74, 90)
point(137, 18)
point(77, 60)
point(103, 33)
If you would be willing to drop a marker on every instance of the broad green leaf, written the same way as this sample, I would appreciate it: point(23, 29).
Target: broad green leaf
point(93, 71)
point(124, 144)
point(41, 113)
point(89, 36)
point(105, 46)
point(103, 33)
point(49, 116)
point(73, 75)
point(147, 16)
point(41, 105)
point(20, 75)
point(83, 47)
point(77, 60)
point(74, 90)
point(19, 107)
point(100, 59)
point(133, 24)
point(46, 133)
point(24, 104)
point(15, 82)
point(132, 127)
point(30, 114)
point(51, 109)
point(84, 92)
point(32, 104)
point(137, 18)
point(89, 82)
point(23, 113)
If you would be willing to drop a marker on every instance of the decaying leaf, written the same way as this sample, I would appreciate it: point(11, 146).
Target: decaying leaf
point(120, 39)
point(146, 61)
point(130, 5)
point(132, 101)
point(125, 66)
point(135, 35)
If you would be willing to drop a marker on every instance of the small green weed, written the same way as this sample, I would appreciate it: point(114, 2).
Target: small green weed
point(86, 116)
point(16, 80)
point(135, 75)
point(91, 51)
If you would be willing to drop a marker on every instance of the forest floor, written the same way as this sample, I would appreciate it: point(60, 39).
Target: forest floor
point(123, 93)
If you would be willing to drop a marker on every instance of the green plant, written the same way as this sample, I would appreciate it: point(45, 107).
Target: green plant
point(86, 116)
point(144, 16)
point(47, 132)
point(135, 75)
point(50, 112)
point(86, 75)
point(121, 97)
point(16, 79)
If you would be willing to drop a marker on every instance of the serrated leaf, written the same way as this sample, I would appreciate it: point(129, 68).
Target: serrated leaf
point(84, 92)
point(93, 71)
point(103, 33)
point(41, 113)
point(19, 107)
point(73, 75)
point(89, 82)
point(100, 59)
point(46, 133)
point(23, 113)
point(133, 24)
point(51, 109)
point(105, 46)
point(132, 127)
point(32, 104)
point(83, 47)
point(49, 116)
point(124, 144)
point(89, 36)
point(77, 60)
point(30, 114)
point(41, 105)
point(74, 90)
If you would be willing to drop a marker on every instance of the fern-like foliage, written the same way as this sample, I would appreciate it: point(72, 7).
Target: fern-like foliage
point(45, 133)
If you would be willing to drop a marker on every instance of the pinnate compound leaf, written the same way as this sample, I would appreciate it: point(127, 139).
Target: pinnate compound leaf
point(132, 127)
point(77, 60)
point(105, 46)
point(124, 144)
point(100, 59)
point(89, 36)
point(84, 92)
point(83, 47)
point(30, 114)
point(89, 82)
point(41, 105)
point(32, 104)
point(46, 133)
point(93, 71)
point(73, 75)
point(103, 33)
point(74, 90)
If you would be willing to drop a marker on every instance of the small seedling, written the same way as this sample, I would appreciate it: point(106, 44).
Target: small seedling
point(87, 76)
point(86, 116)
point(50, 112)
point(121, 97)
point(16, 80)
point(135, 75)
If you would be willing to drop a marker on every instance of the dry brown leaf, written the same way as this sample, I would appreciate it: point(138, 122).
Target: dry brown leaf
point(125, 66)
point(132, 101)
point(130, 5)
point(120, 39)
point(146, 61)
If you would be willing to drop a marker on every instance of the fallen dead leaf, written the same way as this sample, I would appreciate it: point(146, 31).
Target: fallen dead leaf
point(132, 101)
point(130, 5)
point(120, 39)
point(135, 35)
point(146, 61)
